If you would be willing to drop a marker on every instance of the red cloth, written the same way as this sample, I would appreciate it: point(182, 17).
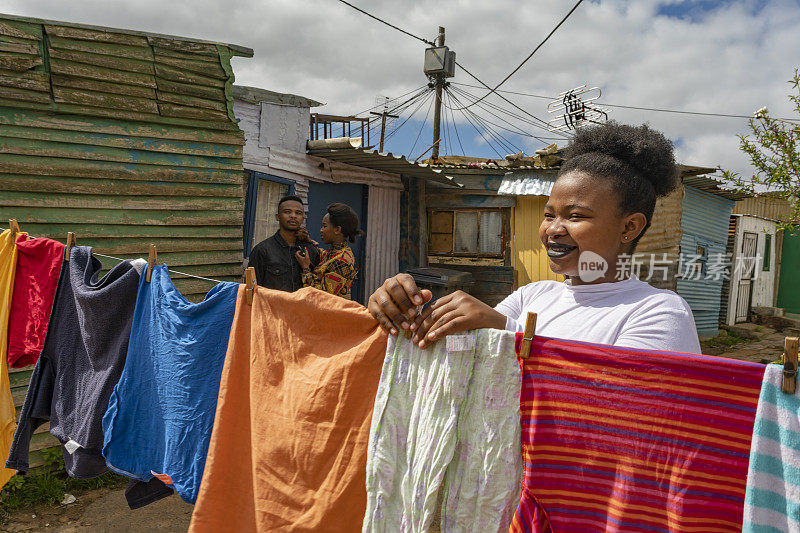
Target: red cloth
point(621, 439)
point(38, 267)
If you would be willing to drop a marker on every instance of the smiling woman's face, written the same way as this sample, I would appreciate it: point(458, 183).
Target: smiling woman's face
point(583, 214)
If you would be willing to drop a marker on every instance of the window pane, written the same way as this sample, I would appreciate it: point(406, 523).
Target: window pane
point(269, 192)
point(491, 232)
point(441, 243)
point(767, 251)
point(466, 232)
point(442, 222)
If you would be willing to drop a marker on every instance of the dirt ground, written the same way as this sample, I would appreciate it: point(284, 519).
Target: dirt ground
point(764, 346)
point(103, 510)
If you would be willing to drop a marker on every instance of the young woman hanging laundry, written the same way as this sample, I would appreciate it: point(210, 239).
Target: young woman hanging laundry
point(600, 206)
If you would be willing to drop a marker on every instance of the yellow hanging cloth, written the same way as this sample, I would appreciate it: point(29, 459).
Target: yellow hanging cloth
point(8, 265)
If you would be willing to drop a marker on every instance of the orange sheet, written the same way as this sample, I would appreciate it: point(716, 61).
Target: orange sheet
point(289, 445)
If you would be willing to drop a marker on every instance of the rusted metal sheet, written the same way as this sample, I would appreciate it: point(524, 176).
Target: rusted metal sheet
point(663, 237)
point(764, 206)
point(321, 169)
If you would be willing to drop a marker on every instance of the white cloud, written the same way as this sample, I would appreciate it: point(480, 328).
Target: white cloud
point(735, 58)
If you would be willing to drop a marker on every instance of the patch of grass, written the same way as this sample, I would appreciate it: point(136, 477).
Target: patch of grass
point(49, 487)
point(21, 492)
point(723, 342)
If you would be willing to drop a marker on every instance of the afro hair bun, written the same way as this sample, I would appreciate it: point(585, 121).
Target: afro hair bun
point(646, 151)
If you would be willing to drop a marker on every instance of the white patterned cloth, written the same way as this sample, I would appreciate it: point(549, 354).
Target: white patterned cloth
point(446, 419)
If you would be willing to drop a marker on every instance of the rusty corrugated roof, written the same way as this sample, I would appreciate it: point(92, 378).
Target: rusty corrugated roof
point(385, 162)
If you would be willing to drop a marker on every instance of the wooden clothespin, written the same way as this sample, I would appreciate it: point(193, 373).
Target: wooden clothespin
point(68, 246)
point(249, 284)
point(527, 337)
point(14, 227)
point(152, 260)
point(789, 382)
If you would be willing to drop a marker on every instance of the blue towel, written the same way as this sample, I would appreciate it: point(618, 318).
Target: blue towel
point(772, 499)
point(160, 414)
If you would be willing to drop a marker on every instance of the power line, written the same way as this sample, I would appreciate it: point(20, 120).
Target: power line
point(517, 130)
point(457, 63)
point(632, 107)
point(422, 127)
point(374, 124)
point(529, 56)
point(388, 23)
point(490, 145)
point(504, 143)
point(455, 126)
point(418, 89)
point(422, 102)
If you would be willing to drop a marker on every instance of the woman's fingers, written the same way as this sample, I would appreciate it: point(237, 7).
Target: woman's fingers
point(404, 292)
point(380, 316)
point(418, 327)
point(433, 316)
point(410, 288)
point(451, 323)
point(384, 304)
point(446, 324)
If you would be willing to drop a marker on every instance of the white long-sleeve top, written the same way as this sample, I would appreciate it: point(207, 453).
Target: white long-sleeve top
point(627, 313)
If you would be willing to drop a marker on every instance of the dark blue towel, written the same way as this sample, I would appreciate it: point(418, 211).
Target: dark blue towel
point(161, 412)
point(82, 359)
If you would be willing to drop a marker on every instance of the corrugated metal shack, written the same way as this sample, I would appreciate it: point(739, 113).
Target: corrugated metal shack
point(124, 138)
point(705, 216)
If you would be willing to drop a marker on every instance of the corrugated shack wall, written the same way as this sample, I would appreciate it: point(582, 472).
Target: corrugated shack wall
point(764, 206)
point(125, 139)
point(527, 251)
point(705, 221)
point(383, 237)
point(662, 241)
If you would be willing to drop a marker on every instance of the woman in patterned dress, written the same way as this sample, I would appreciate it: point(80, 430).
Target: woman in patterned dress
point(336, 270)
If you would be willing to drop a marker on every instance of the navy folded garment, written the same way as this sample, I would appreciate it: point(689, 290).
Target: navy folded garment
point(81, 361)
point(161, 412)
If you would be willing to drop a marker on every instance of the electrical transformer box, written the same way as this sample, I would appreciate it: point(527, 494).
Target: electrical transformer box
point(440, 60)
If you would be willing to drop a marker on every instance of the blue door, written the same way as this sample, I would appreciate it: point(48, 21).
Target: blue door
point(320, 196)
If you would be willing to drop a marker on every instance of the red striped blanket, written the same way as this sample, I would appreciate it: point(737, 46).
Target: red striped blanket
point(617, 439)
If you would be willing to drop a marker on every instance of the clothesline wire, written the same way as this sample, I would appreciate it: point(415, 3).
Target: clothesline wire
point(168, 269)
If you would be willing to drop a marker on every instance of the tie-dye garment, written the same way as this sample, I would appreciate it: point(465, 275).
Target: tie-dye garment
point(446, 420)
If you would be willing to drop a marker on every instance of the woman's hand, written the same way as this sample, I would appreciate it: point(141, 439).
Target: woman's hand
point(394, 304)
point(303, 258)
point(302, 234)
point(454, 313)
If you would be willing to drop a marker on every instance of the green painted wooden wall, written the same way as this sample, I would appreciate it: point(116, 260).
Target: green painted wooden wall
point(126, 139)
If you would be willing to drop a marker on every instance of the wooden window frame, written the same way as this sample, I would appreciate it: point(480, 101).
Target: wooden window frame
point(503, 224)
point(767, 264)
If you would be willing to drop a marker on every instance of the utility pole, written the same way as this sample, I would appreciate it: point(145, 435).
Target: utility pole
point(384, 115)
point(437, 110)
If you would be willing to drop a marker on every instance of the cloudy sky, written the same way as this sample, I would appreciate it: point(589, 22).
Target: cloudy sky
point(697, 55)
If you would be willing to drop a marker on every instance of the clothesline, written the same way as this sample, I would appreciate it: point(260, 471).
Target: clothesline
point(169, 269)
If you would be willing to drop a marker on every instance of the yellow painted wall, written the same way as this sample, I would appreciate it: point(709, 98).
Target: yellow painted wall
point(527, 251)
